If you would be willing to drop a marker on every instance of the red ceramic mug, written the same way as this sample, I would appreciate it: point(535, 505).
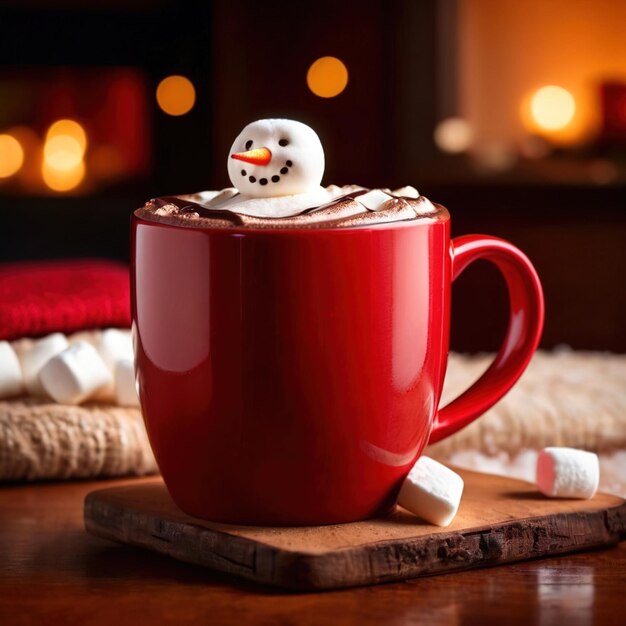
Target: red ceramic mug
point(293, 376)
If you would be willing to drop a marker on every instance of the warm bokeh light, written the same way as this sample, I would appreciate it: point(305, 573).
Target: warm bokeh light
point(62, 152)
point(69, 128)
point(453, 135)
point(29, 175)
point(63, 165)
point(552, 107)
point(327, 77)
point(176, 95)
point(11, 156)
point(63, 180)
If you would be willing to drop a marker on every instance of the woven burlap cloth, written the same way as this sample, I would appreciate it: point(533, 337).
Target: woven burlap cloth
point(566, 398)
point(42, 440)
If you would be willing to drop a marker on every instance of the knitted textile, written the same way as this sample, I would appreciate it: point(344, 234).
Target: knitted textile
point(564, 398)
point(41, 440)
point(37, 298)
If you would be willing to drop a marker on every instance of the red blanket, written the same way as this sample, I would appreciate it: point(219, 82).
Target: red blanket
point(37, 298)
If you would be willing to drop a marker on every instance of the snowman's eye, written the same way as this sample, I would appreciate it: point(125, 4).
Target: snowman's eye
point(248, 144)
point(283, 142)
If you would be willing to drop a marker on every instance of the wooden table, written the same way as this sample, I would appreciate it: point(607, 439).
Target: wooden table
point(53, 572)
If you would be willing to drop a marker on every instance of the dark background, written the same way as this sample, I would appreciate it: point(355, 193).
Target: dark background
point(248, 60)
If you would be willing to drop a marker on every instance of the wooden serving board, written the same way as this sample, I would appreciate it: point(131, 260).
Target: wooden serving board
point(500, 520)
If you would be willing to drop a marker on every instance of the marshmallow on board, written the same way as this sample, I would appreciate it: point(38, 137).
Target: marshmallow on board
point(276, 157)
point(432, 491)
point(75, 375)
point(125, 387)
point(115, 345)
point(11, 380)
point(567, 473)
point(35, 355)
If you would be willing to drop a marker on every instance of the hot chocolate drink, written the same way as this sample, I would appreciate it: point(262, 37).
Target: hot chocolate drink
point(346, 207)
point(276, 167)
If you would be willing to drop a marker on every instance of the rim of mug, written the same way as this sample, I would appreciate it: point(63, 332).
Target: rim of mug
point(443, 215)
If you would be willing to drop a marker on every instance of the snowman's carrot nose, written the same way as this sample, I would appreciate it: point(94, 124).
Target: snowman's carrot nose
point(260, 156)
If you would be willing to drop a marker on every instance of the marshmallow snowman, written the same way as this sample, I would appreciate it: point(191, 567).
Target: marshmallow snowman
point(276, 157)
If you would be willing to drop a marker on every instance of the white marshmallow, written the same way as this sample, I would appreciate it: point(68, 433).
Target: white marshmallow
point(567, 473)
point(293, 160)
point(406, 192)
point(11, 380)
point(432, 491)
point(215, 197)
point(125, 387)
point(374, 199)
point(115, 345)
point(35, 355)
point(279, 206)
point(75, 374)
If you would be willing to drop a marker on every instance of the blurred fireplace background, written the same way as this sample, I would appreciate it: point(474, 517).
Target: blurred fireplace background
point(511, 114)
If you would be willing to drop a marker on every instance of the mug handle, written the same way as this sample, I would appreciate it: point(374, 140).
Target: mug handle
point(522, 335)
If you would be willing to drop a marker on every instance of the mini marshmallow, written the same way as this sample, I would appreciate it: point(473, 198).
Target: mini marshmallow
point(125, 388)
point(218, 196)
point(432, 491)
point(374, 199)
point(11, 380)
point(34, 356)
point(567, 473)
point(406, 192)
point(115, 345)
point(94, 337)
point(74, 375)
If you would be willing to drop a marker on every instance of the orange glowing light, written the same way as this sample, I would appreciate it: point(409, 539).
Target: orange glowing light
point(453, 135)
point(11, 156)
point(68, 128)
point(63, 166)
point(552, 108)
point(176, 95)
point(327, 77)
point(62, 152)
point(63, 180)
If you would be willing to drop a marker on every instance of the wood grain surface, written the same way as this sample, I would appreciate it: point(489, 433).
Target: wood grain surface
point(500, 520)
point(53, 572)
